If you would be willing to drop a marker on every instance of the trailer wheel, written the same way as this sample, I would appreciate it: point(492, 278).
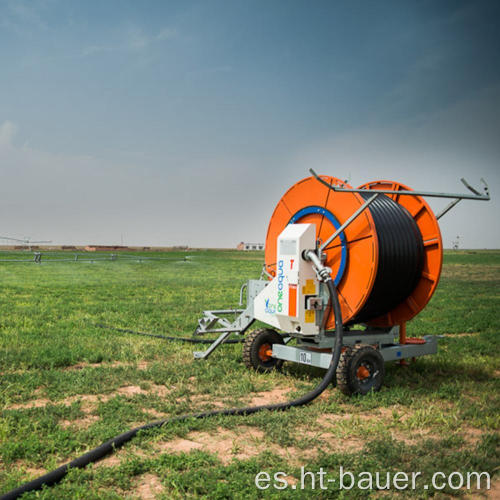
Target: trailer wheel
point(361, 370)
point(257, 350)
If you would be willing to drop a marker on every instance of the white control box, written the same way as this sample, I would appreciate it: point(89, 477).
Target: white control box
point(282, 304)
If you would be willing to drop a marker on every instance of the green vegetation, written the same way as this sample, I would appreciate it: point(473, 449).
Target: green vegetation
point(67, 385)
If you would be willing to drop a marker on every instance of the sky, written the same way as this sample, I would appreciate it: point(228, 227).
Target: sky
point(183, 123)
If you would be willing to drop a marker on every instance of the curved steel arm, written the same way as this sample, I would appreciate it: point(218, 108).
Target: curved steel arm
point(459, 196)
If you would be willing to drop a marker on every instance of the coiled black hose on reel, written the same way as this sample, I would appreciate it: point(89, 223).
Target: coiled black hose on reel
point(114, 443)
point(400, 257)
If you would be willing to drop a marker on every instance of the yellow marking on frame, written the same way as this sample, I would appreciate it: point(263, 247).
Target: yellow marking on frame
point(309, 288)
point(310, 315)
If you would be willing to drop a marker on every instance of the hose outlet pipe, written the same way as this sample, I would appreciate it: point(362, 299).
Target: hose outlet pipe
point(324, 273)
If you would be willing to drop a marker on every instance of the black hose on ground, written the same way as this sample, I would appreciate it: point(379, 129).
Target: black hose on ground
point(190, 340)
point(109, 446)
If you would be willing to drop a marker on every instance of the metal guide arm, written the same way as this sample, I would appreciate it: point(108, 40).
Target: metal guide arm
point(367, 203)
point(457, 197)
point(470, 188)
point(461, 196)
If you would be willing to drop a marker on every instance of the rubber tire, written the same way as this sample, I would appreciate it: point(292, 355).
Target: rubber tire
point(350, 360)
point(251, 347)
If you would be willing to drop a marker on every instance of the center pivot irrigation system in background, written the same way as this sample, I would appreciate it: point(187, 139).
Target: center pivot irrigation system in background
point(345, 269)
point(50, 257)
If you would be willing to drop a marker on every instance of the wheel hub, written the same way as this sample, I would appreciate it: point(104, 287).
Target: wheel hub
point(265, 352)
point(362, 373)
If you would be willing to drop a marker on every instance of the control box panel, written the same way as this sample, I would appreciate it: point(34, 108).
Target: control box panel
point(291, 301)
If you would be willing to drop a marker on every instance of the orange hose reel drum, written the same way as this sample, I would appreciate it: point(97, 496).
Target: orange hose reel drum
point(353, 256)
point(428, 225)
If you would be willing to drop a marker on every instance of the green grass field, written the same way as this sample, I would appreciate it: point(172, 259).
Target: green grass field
point(67, 386)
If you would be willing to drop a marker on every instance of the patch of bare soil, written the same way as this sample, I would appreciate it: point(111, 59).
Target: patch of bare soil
point(35, 471)
point(81, 423)
point(270, 397)
point(148, 487)
point(411, 438)
point(350, 444)
point(494, 491)
point(109, 461)
point(291, 480)
point(227, 444)
point(384, 416)
point(141, 365)
point(205, 400)
point(90, 400)
point(154, 413)
point(35, 403)
point(472, 435)
point(255, 399)
point(243, 443)
point(30, 470)
point(330, 420)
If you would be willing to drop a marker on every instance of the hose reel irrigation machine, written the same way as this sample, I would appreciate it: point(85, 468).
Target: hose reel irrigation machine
point(367, 258)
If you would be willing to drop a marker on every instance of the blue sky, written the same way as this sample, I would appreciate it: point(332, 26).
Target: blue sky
point(184, 122)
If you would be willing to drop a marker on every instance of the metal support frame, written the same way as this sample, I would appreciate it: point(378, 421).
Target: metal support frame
point(372, 336)
point(213, 346)
point(353, 217)
point(215, 322)
point(210, 319)
point(389, 349)
point(447, 208)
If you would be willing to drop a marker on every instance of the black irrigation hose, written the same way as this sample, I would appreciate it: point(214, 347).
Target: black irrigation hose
point(109, 446)
point(400, 257)
point(400, 254)
point(191, 340)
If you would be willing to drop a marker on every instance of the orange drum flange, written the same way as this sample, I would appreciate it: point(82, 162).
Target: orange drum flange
point(428, 225)
point(352, 258)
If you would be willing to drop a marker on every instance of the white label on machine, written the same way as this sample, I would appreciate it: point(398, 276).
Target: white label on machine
point(305, 358)
point(288, 247)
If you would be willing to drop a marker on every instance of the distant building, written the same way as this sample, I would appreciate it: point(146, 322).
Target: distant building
point(250, 246)
point(104, 248)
